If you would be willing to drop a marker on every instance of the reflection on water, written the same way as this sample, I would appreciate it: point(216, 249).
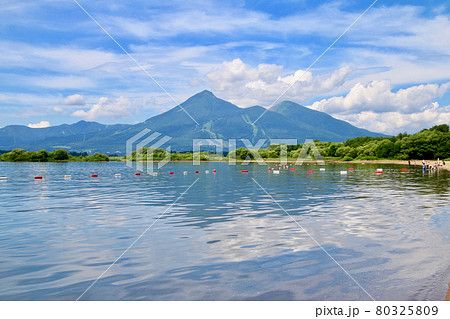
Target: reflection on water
point(225, 239)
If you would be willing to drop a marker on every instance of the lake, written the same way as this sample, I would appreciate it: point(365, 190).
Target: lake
point(355, 237)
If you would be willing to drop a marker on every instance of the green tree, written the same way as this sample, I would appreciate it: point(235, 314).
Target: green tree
point(59, 155)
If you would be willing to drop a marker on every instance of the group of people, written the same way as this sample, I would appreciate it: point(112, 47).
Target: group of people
point(435, 166)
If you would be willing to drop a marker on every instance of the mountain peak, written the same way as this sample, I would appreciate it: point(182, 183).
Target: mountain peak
point(205, 93)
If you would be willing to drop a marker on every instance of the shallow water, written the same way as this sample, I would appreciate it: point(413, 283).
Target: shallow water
point(225, 239)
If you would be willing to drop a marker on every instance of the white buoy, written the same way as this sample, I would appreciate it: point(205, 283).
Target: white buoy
point(276, 172)
point(3, 178)
point(67, 176)
point(185, 173)
point(343, 172)
point(155, 173)
point(379, 169)
point(206, 172)
point(117, 175)
point(322, 169)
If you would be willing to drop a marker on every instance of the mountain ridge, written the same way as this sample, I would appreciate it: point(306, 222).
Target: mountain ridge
point(216, 117)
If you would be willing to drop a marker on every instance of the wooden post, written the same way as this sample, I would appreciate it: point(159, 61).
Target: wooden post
point(447, 298)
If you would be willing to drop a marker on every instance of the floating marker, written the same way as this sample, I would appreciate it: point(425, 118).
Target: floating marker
point(137, 174)
point(379, 169)
point(269, 168)
point(343, 172)
point(404, 169)
point(206, 172)
point(94, 175)
point(309, 172)
point(3, 178)
point(185, 173)
point(378, 172)
point(155, 174)
point(322, 169)
point(117, 175)
point(67, 176)
point(171, 173)
point(276, 172)
point(244, 171)
point(38, 177)
point(351, 169)
point(292, 169)
point(196, 172)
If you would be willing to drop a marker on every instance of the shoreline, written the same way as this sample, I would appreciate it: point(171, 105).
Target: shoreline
point(291, 161)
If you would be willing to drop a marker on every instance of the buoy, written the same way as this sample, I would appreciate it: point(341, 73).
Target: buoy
point(94, 175)
point(206, 172)
point(276, 172)
point(171, 173)
point(117, 175)
point(404, 169)
point(185, 173)
point(244, 171)
point(309, 172)
point(38, 177)
point(3, 178)
point(196, 172)
point(269, 168)
point(379, 169)
point(214, 170)
point(67, 176)
point(343, 172)
point(292, 169)
point(137, 174)
point(155, 174)
point(378, 172)
point(322, 169)
point(351, 169)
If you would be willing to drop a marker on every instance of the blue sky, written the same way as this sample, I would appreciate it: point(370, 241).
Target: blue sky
point(390, 73)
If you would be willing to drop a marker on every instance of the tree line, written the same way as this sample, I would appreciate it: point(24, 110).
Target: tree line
point(20, 155)
point(427, 144)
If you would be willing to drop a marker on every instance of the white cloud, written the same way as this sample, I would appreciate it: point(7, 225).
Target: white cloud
point(246, 86)
point(75, 99)
point(41, 124)
point(61, 82)
point(377, 97)
point(107, 108)
point(395, 122)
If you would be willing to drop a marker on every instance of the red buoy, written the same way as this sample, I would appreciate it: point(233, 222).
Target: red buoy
point(292, 169)
point(244, 171)
point(171, 173)
point(94, 175)
point(38, 177)
point(196, 172)
point(378, 172)
point(137, 174)
point(309, 172)
point(269, 168)
point(404, 169)
point(351, 169)
point(214, 170)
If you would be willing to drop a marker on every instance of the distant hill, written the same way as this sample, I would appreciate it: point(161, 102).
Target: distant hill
point(217, 119)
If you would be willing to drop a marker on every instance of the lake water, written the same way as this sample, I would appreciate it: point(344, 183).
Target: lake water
point(225, 238)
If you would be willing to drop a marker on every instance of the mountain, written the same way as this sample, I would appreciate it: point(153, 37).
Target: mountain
point(216, 118)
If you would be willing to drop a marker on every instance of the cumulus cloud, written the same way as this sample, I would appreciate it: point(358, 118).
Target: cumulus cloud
point(41, 124)
point(107, 108)
point(377, 97)
point(395, 122)
point(247, 86)
point(75, 99)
